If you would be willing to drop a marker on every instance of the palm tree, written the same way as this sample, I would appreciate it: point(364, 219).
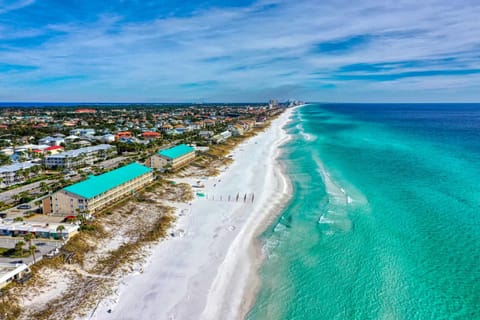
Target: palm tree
point(32, 248)
point(16, 197)
point(24, 173)
point(25, 196)
point(19, 247)
point(36, 169)
point(28, 237)
point(60, 230)
point(44, 187)
point(39, 204)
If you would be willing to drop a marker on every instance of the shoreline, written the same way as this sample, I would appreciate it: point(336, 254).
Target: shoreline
point(245, 288)
point(256, 252)
point(211, 270)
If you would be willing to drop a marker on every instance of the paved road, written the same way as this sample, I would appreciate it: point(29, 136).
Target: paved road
point(6, 196)
point(110, 163)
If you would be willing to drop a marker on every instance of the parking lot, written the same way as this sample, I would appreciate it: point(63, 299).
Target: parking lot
point(110, 163)
point(43, 247)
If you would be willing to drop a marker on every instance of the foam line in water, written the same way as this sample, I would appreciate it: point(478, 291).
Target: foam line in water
point(306, 136)
point(335, 217)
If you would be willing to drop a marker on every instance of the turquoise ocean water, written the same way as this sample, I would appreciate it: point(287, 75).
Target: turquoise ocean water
point(384, 222)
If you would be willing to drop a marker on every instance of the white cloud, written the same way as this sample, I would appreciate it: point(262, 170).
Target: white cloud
point(265, 50)
point(7, 6)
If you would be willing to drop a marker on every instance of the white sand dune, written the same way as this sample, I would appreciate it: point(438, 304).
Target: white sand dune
point(209, 271)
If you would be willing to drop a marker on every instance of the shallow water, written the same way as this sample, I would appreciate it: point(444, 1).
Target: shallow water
point(384, 222)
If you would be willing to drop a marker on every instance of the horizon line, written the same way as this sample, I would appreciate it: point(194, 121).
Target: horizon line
point(233, 102)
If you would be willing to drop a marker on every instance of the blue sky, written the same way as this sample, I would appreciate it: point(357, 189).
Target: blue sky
point(179, 51)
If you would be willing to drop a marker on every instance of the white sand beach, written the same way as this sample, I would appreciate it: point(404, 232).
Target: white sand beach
point(207, 270)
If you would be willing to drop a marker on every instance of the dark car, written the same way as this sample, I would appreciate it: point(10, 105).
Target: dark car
point(24, 206)
point(3, 215)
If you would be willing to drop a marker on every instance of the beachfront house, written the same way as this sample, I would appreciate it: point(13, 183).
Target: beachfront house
point(237, 130)
point(175, 157)
point(98, 192)
point(221, 137)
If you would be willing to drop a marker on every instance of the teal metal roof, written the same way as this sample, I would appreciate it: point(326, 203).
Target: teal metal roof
point(176, 152)
point(96, 185)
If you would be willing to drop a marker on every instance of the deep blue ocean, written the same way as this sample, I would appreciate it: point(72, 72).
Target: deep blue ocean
point(384, 221)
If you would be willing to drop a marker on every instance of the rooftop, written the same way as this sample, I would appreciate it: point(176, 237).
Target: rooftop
point(96, 185)
point(34, 227)
point(53, 148)
point(176, 152)
point(8, 271)
point(78, 152)
point(17, 166)
point(151, 133)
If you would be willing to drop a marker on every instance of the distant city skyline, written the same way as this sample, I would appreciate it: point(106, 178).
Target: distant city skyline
point(239, 51)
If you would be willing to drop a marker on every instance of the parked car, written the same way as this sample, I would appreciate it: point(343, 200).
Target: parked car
point(52, 253)
point(3, 215)
point(24, 206)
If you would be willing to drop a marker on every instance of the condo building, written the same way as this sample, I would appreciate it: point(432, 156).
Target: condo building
point(15, 173)
point(175, 157)
point(98, 192)
point(79, 157)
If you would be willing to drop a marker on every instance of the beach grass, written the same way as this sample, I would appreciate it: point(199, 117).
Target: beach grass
point(85, 290)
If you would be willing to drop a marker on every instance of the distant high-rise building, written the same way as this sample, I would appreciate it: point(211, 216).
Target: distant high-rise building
point(273, 103)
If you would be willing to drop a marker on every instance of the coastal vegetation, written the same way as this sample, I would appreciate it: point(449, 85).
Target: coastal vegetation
point(116, 241)
point(115, 244)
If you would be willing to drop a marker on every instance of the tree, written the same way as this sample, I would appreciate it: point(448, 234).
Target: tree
point(44, 187)
point(28, 239)
point(60, 230)
point(24, 173)
point(35, 169)
point(25, 196)
point(63, 182)
point(39, 204)
point(19, 247)
point(4, 159)
point(32, 248)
